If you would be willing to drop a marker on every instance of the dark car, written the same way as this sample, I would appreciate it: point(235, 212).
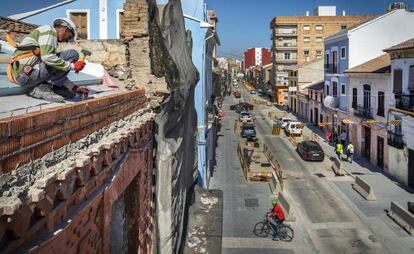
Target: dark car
point(310, 151)
point(237, 94)
point(248, 131)
point(244, 106)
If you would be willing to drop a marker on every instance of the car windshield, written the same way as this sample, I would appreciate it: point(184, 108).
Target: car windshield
point(312, 147)
point(248, 127)
point(245, 115)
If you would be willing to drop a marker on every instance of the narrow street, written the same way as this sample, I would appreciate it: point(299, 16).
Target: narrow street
point(330, 215)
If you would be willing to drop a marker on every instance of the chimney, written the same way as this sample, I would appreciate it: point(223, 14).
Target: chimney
point(343, 13)
point(307, 13)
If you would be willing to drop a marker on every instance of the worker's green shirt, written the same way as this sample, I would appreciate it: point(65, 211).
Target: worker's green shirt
point(45, 38)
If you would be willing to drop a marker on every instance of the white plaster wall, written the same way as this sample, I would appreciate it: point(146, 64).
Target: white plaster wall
point(378, 82)
point(403, 64)
point(398, 164)
point(368, 41)
point(408, 131)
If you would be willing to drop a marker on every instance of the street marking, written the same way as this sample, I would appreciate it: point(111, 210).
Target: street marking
point(252, 243)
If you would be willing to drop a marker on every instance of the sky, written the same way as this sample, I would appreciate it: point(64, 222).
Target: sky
point(244, 23)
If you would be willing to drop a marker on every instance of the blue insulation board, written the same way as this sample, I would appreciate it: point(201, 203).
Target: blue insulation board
point(7, 88)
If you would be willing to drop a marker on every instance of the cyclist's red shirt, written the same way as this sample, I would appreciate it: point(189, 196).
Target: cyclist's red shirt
point(277, 210)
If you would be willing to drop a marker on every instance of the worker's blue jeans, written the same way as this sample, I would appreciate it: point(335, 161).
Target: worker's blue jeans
point(43, 73)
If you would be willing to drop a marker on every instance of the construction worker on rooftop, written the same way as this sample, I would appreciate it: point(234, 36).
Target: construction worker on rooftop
point(37, 65)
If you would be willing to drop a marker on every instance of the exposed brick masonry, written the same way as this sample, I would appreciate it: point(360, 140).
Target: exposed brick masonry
point(29, 137)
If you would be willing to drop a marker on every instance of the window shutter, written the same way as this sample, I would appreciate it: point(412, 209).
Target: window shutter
point(411, 78)
point(397, 81)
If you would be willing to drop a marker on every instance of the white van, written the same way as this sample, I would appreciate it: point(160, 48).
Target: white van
point(294, 128)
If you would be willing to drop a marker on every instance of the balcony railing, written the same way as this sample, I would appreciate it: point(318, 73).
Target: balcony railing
point(286, 33)
point(286, 45)
point(328, 68)
point(395, 140)
point(286, 60)
point(363, 112)
point(404, 101)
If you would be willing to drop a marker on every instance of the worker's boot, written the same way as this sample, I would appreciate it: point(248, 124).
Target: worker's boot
point(64, 92)
point(45, 92)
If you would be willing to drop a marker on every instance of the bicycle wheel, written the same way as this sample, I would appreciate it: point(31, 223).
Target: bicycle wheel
point(261, 229)
point(286, 233)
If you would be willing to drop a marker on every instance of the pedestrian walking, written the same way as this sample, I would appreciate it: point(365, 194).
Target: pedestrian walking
point(350, 152)
point(328, 135)
point(339, 150)
point(343, 138)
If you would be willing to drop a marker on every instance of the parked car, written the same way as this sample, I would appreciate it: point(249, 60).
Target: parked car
point(253, 92)
point(294, 128)
point(310, 151)
point(245, 116)
point(237, 94)
point(248, 131)
point(284, 121)
point(243, 105)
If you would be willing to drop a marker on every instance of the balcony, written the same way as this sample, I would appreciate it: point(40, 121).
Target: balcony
point(286, 60)
point(331, 68)
point(286, 46)
point(363, 112)
point(395, 140)
point(404, 101)
point(286, 33)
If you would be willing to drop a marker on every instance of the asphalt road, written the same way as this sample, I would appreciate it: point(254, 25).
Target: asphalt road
point(326, 219)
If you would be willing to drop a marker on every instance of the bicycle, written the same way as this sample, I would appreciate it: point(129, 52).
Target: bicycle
point(264, 228)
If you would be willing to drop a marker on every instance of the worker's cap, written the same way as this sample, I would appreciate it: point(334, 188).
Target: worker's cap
point(274, 201)
point(65, 22)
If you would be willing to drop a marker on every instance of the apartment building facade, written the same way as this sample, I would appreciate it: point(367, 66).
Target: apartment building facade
point(401, 114)
point(256, 56)
point(355, 46)
point(368, 105)
point(298, 39)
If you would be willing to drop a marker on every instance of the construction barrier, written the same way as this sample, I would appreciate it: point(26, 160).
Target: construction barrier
point(274, 184)
point(275, 164)
point(286, 207)
point(364, 189)
point(337, 167)
point(403, 217)
point(276, 131)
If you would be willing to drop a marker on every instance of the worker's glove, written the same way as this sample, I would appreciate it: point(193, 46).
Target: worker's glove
point(78, 65)
point(82, 90)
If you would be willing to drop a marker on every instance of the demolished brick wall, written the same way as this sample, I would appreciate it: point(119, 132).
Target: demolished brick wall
point(64, 199)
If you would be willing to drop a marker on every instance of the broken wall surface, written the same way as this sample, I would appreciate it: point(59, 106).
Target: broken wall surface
point(58, 189)
point(164, 51)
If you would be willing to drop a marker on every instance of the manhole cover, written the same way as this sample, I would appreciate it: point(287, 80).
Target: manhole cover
point(227, 129)
point(320, 175)
point(251, 202)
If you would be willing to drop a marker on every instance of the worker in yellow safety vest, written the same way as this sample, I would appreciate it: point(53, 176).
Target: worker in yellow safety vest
point(339, 150)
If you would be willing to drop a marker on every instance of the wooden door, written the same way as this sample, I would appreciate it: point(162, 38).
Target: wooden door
point(81, 21)
point(380, 152)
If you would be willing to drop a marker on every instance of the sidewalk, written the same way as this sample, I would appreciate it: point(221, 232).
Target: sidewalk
point(385, 188)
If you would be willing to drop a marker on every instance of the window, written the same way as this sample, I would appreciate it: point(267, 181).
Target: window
point(334, 62)
point(311, 94)
point(318, 27)
point(306, 27)
point(319, 39)
point(344, 26)
point(306, 39)
point(335, 89)
point(354, 98)
point(327, 90)
point(343, 53)
point(318, 52)
point(121, 20)
point(287, 55)
point(411, 78)
point(343, 89)
point(306, 54)
point(380, 110)
point(327, 61)
point(397, 81)
point(81, 21)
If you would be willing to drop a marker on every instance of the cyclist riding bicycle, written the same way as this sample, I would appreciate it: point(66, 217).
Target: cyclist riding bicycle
point(276, 217)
